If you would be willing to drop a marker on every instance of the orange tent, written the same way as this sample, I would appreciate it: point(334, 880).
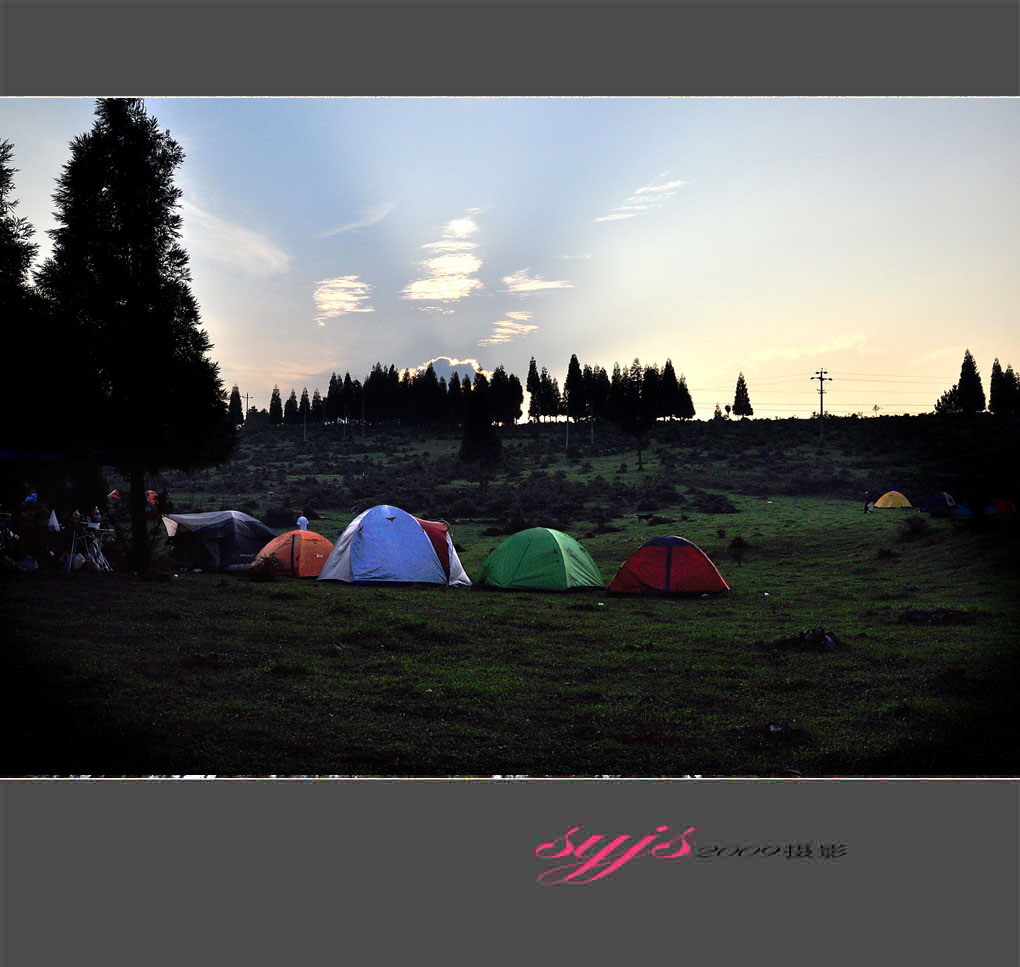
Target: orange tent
point(300, 553)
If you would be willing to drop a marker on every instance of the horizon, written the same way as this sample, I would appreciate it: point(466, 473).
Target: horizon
point(876, 238)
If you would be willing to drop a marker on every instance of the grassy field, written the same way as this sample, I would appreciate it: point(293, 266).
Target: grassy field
point(204, 673)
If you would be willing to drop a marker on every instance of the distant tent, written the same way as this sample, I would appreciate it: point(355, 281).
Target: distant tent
point(113, 495)
point(668, 565)
point(151, 497)
point(963, 510)
point(540, 559)
point(1000, 505)
point(216, 541)
point(299, 553)
point(386, 544)
point(939, 502)
point(892, 499)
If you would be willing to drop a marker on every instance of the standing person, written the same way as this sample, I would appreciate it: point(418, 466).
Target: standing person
point(302, 523)
point(869, 502)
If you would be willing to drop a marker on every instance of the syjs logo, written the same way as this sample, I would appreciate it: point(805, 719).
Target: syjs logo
point(590, 858)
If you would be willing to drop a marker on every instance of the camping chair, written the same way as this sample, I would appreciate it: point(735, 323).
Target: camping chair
point(87, 540)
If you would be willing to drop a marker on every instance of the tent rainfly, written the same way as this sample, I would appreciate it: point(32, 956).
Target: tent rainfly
point(892, 499)
point(299, 553)
point(668, 565)
point(541, 559)
point(940, 502)
point(218, 541)
point(387, 545)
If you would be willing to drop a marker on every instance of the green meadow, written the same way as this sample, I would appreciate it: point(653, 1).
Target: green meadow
point(198, 673)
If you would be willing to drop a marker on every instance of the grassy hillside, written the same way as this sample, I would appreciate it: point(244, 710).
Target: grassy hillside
point(202, 673)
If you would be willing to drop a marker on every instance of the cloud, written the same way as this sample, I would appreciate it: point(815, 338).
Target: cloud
point(644, 199)
point(850, 341)
point(439, 309)
point(507, 330)
point(668, 186)
point(521, 284)
point(340, 296)
point(447, 365)
point(215, 238)
point(586, 255)
point(450, 275)
point(370, 216)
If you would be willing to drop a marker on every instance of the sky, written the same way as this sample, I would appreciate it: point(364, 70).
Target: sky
point(877, 238)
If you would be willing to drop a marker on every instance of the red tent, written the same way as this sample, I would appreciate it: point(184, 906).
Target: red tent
point(668, 565)
point(1002, 505)
point(299, 553)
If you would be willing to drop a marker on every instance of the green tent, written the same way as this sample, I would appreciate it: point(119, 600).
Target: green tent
point(540, 559)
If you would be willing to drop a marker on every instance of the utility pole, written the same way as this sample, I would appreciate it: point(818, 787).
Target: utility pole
point(247, 406)
point(822, 379)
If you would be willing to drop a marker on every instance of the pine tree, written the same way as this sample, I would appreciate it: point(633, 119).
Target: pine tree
point(275, 408)
point(534, 388)
point(670, 390)
point(290, 410)
point(573, 389)
point(717, 415)
point(236, 409)
point(481, 443)
point(651, 392)
point(318, 410)
point(971, 393)
point(949, 402)
point(637, 413)
point(347, 410)
point(741, 401)
point(304, 407)
point(515, 399)
point(332, 405)
point(120, 278)
point(996, 387)
point(24, 319)
point(1011, 392)
point(455, 406)
point(685, 405)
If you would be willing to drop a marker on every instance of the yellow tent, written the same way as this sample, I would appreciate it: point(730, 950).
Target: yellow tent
point(892, 499)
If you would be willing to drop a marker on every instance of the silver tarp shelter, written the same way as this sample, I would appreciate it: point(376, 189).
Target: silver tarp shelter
point(217, 541)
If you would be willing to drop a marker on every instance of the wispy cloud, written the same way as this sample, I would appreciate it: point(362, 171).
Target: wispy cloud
point(340, 296)
point(507, 330)
point(450, 274)
point(849, 341)
point(522, 284)
point(586, 255)
point(215, 238)
point(370, 216)
point(643, 199)
point(439, 309)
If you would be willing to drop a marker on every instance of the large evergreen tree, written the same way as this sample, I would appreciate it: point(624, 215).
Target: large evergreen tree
point(304, 407)
point(119, 280)
point(685, 405)
point(236, 409)
point(573, 390)
point(23, 320)
point(996, 388)
point(481, 444)
point(318, 410)
point(669, 390)
point(741, 401)
point(275, 408)
point(290, 409)
point(971, 393)
point(533, 384)
point(1010, 392)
